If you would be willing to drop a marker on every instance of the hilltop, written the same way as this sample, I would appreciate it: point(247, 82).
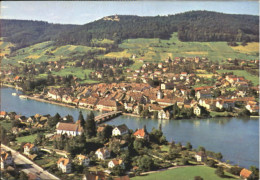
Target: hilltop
point(191, 26)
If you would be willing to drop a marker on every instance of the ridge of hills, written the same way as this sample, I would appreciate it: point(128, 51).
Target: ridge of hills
point(201, 26)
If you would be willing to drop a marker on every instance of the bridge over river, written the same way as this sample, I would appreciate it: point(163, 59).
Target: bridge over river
point(107, 116)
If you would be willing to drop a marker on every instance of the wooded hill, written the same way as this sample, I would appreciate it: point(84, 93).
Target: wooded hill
point(24, 33)
point(191, 26)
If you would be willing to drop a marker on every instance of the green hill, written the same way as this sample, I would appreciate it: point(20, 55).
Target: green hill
point(191, 26)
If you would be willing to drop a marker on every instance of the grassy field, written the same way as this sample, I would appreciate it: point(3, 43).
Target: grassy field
point(185, 173)
point(5, 48)
point(75, 71)
point(46, 51)
point(29, 138)
point(248, 76)
point(251, 48)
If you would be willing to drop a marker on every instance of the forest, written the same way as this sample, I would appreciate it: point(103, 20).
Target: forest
point(191, 26)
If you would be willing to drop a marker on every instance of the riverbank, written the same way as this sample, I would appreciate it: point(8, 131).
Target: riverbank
point(12, 86)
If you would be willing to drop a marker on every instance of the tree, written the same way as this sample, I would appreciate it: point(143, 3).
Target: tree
point(211, 163)
point(255, 173)
point(54, 120)
point(91, 125)
point(145, 163)
point(218, 156)
point(118, 170)
point(220, 171)
point(81, 119)
point(244, 113)
point(188, 146)
point(201, 148)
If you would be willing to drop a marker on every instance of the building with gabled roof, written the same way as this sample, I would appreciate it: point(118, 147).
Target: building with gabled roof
point(115, 162)
point(29, 147)
point(201, 156)
point(102, 153)
point(120, 130)
point(83, 160)
point(141, 134)
point(64, 164)
point(245, 174)
point(71, 129)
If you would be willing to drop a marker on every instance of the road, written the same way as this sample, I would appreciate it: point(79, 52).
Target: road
point(28, 166)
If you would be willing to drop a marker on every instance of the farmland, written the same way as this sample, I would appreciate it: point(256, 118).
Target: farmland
point(157, 50)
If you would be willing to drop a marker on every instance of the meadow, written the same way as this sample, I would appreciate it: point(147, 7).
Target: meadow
point(186, 173)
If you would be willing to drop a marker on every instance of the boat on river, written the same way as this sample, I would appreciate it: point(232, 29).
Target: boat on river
point(14, 94)
point(23, 97)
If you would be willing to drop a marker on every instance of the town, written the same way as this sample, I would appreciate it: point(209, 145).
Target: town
point(197, 88)
point(118, 91)
point(87, 150)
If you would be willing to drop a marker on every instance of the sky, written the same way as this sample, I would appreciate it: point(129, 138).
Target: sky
point(81, 12)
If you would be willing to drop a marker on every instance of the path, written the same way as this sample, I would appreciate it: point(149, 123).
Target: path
point(28, 166)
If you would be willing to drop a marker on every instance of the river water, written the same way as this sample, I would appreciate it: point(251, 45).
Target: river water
point(237, 139)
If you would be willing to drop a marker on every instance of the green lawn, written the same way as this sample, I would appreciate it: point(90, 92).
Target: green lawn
point(29, 138)
point(185, 173)
point(248, 76)
point(75, 71)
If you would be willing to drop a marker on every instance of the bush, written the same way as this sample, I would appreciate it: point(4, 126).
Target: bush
point(235, 170)
point(211, 163)
point(198, 178)
point(220, 171)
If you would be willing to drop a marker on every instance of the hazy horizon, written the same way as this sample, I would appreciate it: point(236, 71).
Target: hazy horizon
point(82, 12)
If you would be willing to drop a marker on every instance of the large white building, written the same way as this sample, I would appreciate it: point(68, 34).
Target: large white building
point(70, 129)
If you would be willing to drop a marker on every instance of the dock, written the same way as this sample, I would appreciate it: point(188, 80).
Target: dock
point(107, 116)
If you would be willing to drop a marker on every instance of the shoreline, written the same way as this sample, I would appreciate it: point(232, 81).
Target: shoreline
point(85, 108)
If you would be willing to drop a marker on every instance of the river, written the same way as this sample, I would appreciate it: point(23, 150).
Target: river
point(237, 139)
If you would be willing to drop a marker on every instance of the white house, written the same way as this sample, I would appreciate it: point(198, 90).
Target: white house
point(6, 159)
point(201, 156)
point(163, 114)
point(83, 160)
point(116, 162)
point(120, 130)
point(64, 165)
point(102, 153)
point(70, 129)
point(30, 147)
point(197, 111)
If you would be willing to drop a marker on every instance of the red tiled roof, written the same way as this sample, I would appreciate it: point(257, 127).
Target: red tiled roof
point(245, 173)
point(64, 161)
point(140, 132)
point(29, 145)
